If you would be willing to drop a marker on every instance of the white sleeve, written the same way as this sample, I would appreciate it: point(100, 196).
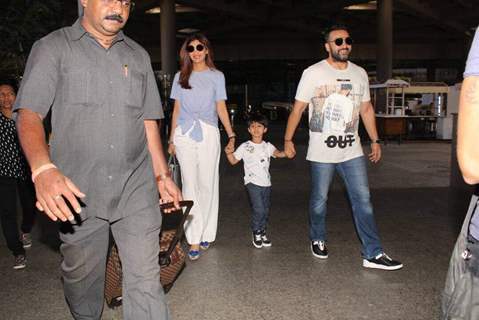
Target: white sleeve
point(238, 154)
point(366, 96)
point(271, 149)
point(306, 86)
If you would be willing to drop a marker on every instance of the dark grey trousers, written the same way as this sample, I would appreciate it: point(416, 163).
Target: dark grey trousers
point(84, 261)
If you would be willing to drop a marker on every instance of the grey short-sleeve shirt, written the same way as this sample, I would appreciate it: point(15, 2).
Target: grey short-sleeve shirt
point(99, 99)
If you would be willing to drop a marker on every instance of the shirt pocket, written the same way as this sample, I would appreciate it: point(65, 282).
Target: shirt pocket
point(76, 88)
point(136, 92)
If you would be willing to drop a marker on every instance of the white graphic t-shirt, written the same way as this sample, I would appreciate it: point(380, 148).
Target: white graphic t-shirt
point(256, 158)
point(334, 98)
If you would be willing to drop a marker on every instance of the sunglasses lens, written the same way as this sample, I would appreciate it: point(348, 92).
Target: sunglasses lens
point(199, 47)
point(349, 41)
point(338, 41)
point(190, 48)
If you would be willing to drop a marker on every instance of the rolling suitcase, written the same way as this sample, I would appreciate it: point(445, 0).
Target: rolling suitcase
point(171, 259)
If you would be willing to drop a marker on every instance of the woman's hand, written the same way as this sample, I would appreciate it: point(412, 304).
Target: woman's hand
point(231, 144)
point(229, 149)
point(171, 149)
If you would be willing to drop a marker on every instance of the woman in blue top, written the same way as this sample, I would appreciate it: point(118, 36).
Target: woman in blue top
point(199, 93)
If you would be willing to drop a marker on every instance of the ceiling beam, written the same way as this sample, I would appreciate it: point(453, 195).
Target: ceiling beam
point(145, 5)
point(254, 10)
point(425, 10)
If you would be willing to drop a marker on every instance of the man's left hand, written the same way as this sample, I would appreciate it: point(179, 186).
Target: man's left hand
point(375, 154)
point(169, 192)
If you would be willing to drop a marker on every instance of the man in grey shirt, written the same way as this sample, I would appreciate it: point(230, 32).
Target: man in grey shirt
point(106, 149)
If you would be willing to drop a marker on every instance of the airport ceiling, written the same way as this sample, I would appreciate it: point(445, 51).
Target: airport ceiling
point(414, 21)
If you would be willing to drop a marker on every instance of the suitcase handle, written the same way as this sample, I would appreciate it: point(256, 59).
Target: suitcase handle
point(164, 257)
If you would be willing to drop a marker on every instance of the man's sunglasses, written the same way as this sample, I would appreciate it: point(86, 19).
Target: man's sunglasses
point(339, 41)
point(199, 48)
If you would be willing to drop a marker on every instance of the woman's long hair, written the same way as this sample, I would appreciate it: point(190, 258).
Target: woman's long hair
point(185, 61)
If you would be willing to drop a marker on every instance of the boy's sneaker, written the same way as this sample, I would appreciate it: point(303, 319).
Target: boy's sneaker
point(26, 239)
point(382, 261)
point(258, 240)
point(20, 262)
point(319, 249)
point(265, 240)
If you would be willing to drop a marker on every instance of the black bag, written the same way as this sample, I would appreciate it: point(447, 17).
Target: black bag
point(174, 168)
point(460, 298)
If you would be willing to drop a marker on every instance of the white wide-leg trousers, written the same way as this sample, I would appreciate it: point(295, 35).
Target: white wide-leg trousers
point(199, 163)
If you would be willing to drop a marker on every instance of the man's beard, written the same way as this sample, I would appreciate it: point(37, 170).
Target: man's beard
point(337, 57)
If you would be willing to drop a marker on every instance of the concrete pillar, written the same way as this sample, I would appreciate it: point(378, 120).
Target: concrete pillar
point(168, 36)
point(384, 54)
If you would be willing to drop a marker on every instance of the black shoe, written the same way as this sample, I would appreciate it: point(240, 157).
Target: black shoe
point(257, 240)
point(26, 239)
point(319, 249)
point(382, 261)
point(20, 262)
point(265, 240)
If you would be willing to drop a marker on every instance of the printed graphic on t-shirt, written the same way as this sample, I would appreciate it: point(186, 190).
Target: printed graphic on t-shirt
point(336, 113)
point(256, 160)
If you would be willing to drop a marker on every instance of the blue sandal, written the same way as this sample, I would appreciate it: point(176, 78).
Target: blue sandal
point(193, 254)
point(204, 245)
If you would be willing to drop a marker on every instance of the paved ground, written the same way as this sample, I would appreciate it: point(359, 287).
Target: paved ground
point(418, 218)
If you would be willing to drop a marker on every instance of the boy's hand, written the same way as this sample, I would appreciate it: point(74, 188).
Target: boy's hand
point(279, 154)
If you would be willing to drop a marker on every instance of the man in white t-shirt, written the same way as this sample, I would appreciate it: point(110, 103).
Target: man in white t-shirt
point(337, 92)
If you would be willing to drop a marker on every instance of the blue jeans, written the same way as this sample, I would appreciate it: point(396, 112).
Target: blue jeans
point(354, 174)
point(260, 202)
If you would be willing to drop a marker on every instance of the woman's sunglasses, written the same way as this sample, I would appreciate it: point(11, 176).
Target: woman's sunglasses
point(339, 41)
point(199, 48)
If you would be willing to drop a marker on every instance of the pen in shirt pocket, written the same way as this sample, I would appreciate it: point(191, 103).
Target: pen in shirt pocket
point(125, 70)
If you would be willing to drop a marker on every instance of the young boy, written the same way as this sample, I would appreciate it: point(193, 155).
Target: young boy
point(255, 154)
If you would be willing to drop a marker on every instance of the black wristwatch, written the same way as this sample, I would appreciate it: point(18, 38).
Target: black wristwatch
point(376, 141)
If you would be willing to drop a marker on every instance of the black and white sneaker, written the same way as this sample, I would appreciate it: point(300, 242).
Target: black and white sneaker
point(257, 240)
point(20, 262)
point(319, 249)
point(265, 240)
point(382, 261)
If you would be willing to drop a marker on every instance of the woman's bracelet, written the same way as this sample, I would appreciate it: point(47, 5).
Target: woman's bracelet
point(41, 169)
point(232, 136)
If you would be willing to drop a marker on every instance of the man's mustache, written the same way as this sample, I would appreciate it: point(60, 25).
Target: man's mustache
point(115, 17)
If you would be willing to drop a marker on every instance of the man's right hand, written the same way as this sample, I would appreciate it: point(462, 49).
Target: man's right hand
point(53, 189)
point(289, 149)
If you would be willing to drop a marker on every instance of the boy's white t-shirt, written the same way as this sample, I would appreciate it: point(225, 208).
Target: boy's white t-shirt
point(256, 159)
point(334, 98)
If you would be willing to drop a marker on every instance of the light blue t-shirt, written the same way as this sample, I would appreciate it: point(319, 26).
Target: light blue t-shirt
point(472, 65)
point(199, 102)
point(472, 69)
